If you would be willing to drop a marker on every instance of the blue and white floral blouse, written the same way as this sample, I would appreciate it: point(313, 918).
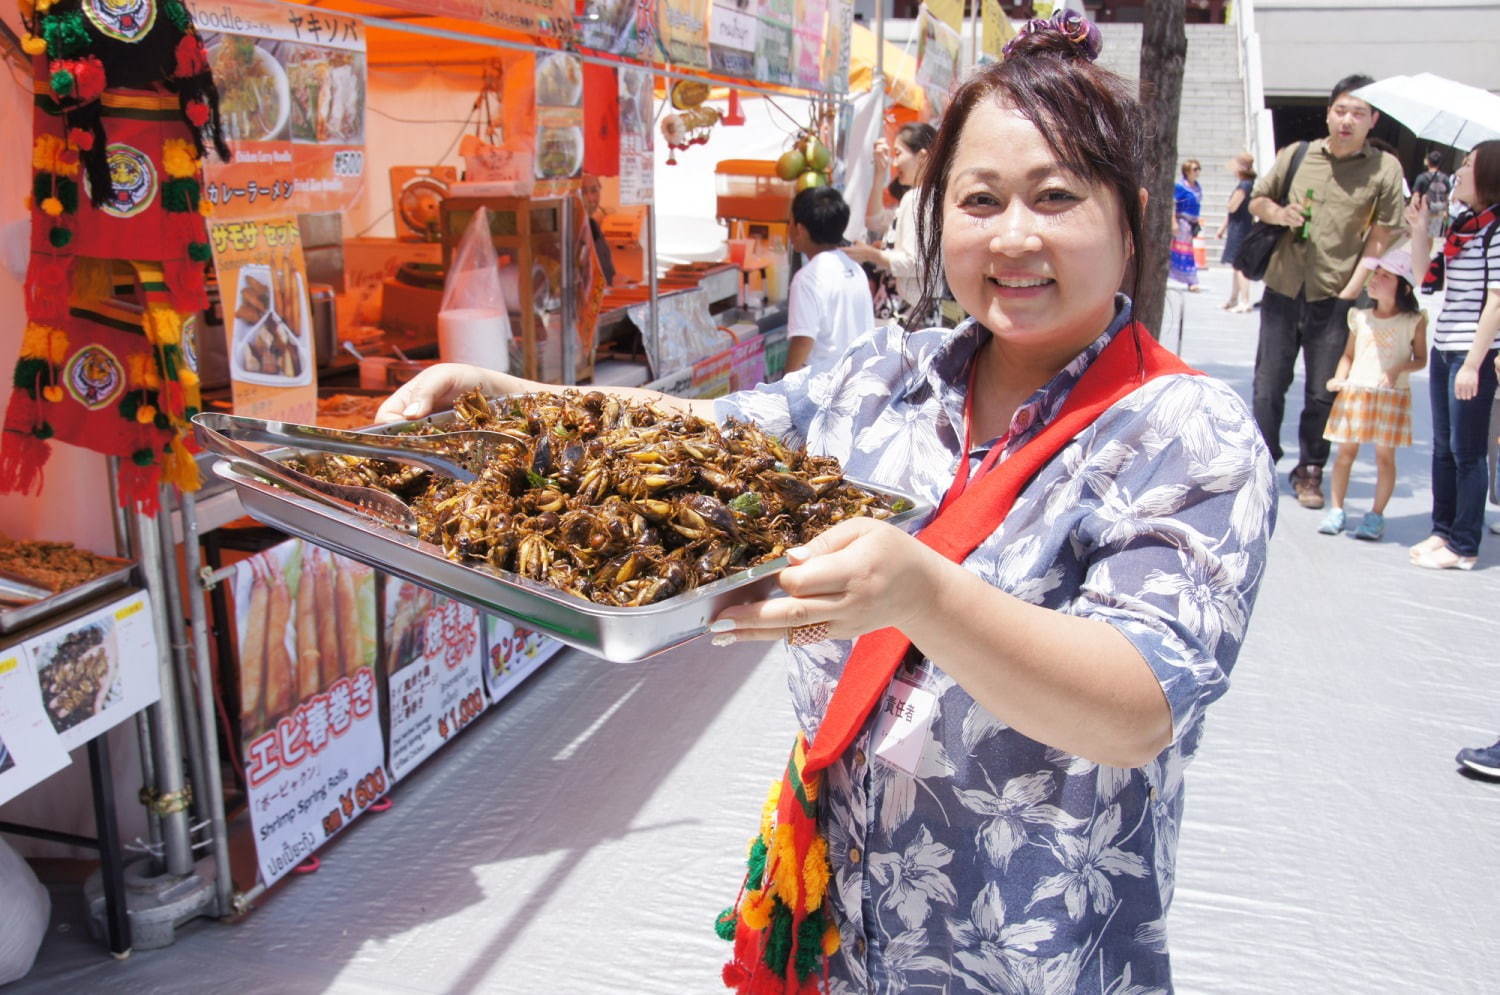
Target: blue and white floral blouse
point(1004, 865)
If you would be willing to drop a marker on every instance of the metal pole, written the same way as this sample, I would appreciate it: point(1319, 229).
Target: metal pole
point(213, 786)
point(570, 310)
point(879, 43)
point(652, 339)
point(165, 725)
point(172, 595)
point(111, 868)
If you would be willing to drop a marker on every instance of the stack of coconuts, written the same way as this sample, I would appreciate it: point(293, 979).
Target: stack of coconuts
point(807, 162)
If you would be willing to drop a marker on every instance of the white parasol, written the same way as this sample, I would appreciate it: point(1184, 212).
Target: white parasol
point(1438, 109)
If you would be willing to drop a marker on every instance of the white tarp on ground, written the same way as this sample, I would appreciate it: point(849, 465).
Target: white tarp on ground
point(582, 837)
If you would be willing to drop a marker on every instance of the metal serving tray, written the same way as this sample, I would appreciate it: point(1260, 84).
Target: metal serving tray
point(13, 617)
point(622, 635)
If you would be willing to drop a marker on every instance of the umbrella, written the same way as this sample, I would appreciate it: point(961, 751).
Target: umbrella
point(1438, 109)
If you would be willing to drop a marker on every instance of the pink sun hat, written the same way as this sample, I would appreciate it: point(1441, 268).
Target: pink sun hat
point(1397, 261)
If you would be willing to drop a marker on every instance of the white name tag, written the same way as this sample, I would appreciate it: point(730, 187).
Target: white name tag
point(903, 717)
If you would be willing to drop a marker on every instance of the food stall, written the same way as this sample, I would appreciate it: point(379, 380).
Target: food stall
point(275, 688)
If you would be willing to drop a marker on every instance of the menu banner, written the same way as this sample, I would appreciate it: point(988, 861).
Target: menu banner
point(309, 709)
point(637, 110)
point(836, 51)
point(433, 659)
point(809, 29)
point(511, 654)
point(620, 27)
point(774, 41)
point(29, 748)
point(267, 317)
point(938, 53)
point(292, 84)
point(995, 30)
point(682, 26)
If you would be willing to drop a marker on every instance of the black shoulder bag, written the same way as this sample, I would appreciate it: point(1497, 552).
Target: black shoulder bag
point(1260, 241)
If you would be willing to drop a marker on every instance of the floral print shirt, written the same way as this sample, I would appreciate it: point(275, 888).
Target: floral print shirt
point(1000, 864)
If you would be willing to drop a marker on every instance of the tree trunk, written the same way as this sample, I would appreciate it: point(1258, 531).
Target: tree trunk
point(1163, 52)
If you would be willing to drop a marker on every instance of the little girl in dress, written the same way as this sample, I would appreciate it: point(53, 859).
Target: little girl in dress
point(1386, 343)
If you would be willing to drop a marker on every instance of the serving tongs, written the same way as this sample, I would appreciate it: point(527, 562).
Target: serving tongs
point(439, 453)
point(15, 591)
point(384, 507)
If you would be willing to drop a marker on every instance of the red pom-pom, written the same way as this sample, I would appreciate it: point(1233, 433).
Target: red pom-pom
point(191, 59)
point(81, 139)
point(734, 975)
point(197, 113)
point(88, 78)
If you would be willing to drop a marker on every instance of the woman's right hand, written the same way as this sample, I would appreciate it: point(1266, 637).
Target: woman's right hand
point(882, 159)
point(435, 388)
point(1466, 383)
point(863, 252)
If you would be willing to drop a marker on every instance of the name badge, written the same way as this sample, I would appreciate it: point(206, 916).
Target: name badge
point(903, 717)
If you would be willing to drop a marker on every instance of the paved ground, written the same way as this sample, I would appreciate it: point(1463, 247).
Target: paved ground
point(582, 836)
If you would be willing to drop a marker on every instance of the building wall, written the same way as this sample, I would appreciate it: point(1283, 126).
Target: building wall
point(1308, 45)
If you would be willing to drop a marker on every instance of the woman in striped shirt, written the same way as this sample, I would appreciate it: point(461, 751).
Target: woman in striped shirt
point(1462, 369)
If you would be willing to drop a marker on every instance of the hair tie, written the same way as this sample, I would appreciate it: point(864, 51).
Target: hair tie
point(1077, 29)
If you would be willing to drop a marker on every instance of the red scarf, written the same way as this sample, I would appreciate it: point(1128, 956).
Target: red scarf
point(1466, 227)
point(781, 936)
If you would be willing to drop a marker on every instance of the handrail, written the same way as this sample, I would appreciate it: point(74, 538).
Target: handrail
point(1260, 140)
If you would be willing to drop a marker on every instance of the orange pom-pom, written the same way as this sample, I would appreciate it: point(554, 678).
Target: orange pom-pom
point(53, 393)
point(145, 414)
point(32, 45)
point(52, 206)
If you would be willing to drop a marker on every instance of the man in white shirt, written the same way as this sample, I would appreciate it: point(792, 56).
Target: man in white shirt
point(829, 304)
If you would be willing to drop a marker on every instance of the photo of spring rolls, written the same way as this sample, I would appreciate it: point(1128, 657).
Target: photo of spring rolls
point(328, 636)
point(255, 301)
point(252, 647)
point(346, 604)
point(309, 669)
point(281, 673)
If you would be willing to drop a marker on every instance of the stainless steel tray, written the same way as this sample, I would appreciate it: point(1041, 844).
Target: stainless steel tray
point(622, 635)
point(13, 617)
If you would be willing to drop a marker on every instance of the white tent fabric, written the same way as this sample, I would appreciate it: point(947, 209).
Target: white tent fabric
point(582, 837)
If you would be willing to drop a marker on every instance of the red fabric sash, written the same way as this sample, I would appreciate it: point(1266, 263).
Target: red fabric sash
point(962, 526)
point(1465, 228)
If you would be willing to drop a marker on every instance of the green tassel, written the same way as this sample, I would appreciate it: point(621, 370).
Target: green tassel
point(199, 252)
point(161, 421)
point(43, 431)
point(66, 35)
point(178, 15)
point(67, 194)
point(32, 373)
point(188, 412)
point(725, 924)
point(757, 864)
point(810, 946)
point(180, 195)
point(779, 938)
point(129, 405)
point(41, 186)
point(143, 457)
point(167, 359)
point(59, 237)
point(61, 82)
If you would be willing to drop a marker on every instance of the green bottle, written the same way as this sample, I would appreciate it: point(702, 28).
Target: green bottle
point(1305, 231)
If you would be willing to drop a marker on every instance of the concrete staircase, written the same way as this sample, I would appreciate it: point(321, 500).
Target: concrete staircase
point(1211, 127)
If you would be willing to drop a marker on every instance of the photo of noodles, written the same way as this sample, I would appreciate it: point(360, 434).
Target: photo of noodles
point(327, 88)
point(254, 99)
point(559, 80)
point(559, 152)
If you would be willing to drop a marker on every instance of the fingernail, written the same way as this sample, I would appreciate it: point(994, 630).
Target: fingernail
point(798, 553)
point(412, 410)
point(721, 625)
point(723, 640)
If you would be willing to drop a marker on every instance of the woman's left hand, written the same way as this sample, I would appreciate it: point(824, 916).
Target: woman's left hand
point(1466, 383)
point(858, 576)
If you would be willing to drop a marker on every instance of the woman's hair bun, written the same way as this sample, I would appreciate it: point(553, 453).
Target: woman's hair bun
point(1066, 33)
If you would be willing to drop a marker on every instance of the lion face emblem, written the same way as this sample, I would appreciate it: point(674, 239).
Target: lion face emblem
point(123, 20)
point(134, 180)
point(94, 377)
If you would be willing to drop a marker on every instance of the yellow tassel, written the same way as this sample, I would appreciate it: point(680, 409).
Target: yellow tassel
point(188, 378)
point(40, 341)
point(755, 910)
point(145, 414)
point(140, 372)
point(31, 44)
point(783, 865)
point(205, 208)
point(45, 151)
point(52, 206)
point(177, 158)
point(831, 940)
point(92, 280)
point(41, 6)
point(768, 810)
point(163, 325)
point(179, 468)
point(815, 873)
point(53, 393)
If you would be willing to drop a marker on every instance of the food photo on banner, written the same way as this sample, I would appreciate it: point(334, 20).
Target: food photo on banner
point(292, 87)
point(310, 730)
point(433, 661)
point(511, 654)
point(774, 41)
point(30, 750)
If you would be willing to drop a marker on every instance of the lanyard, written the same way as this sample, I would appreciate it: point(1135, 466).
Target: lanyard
point(961, 473)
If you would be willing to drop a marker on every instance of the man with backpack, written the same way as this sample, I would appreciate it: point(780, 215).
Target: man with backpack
point(1345, 201)
point(1434, 186)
